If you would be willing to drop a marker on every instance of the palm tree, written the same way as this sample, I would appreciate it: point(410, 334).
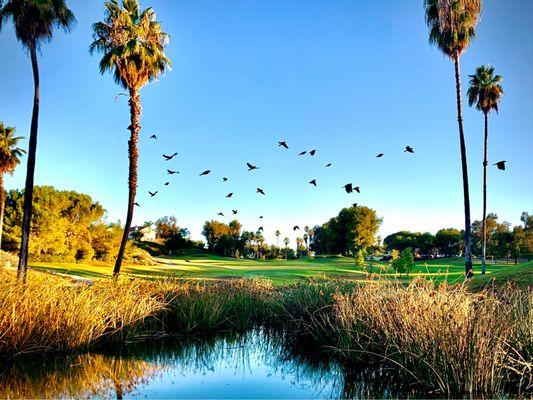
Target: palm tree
point(10, 156)
point(278, 233)
point(286, 241)
point(452, 24)
point(133, 47)
point(34, 22)
point(485, 92)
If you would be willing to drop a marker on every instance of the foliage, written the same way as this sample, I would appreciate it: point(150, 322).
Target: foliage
point(485, 89)
point(448, 242)
point(351, 230)
point(66, 226)
point(404, 263)
point(10, 154)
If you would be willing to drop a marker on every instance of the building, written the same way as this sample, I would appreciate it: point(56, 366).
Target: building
point(143, 233)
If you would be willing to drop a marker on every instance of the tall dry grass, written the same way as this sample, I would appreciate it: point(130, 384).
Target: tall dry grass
point(51, 313)
point(446, 337)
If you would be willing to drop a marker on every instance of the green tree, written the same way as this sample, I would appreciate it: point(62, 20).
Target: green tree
point(286, 242)
point(448, 242)
point(485, 92)
point(10, 156)
point(34, 22)
point(404, 263)
point(133, 47)
point(452, 25)
point(278, 234)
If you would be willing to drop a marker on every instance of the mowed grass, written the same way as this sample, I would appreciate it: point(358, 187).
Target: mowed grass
point(210, 267)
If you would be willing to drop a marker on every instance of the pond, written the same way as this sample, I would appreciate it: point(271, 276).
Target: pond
point(251, 365)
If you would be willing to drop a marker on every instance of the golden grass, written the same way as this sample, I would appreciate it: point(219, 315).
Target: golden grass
point(52, 313)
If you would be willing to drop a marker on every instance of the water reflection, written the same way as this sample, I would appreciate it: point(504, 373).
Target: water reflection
point(254, 365)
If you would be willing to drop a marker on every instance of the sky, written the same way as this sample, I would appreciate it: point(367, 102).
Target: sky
point(349, 78)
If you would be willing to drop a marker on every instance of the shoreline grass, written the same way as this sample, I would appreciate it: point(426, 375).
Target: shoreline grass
point(445, 338)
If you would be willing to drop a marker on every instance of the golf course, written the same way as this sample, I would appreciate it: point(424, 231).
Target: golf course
point(216, 268)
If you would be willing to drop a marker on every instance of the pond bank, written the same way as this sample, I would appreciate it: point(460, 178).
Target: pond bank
point(445, 339)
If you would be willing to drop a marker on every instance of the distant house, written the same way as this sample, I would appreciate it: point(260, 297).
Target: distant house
point(143, 233)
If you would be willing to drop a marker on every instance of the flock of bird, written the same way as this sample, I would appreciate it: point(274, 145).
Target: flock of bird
point(349, 187)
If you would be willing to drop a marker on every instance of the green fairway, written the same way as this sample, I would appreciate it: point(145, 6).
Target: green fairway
point(209, 267)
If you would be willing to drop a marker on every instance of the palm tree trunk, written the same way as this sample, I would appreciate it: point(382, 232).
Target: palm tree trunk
point(30, 172)
point(2, 206)
point(466, 194)
point(133, 152)
point(485, 163)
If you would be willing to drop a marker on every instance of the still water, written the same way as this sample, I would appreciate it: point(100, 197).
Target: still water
point(253, 365)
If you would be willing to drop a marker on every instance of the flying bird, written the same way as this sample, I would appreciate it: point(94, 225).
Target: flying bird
point(283, 144)
point(357, 189)
point(296, 228)
point(312, 152)
point(229, 195)
point(205, 172)
point(153, 137)
point(302, 153)
point(501, 165)
point(221, 214)
point(251, 167)
point(259, 190)
point(136, 204)
point(313, 182)
point(152, 194)
point(170, 157)
point(234, 212)
point(170, 172)
point(328, 165)
point(224, 179)
point(260, 229)
point(408, 149)
point(354, 205)
point(380, 155)
point(167, 183)
point(260, 217)
point(348, 187)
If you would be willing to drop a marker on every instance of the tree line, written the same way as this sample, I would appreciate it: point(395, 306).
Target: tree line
point(501, 241)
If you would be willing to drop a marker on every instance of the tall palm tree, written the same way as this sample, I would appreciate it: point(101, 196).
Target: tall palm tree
point(485, 92)
point(10, 156)
point(34, 22)
point(133, 48)
point(286, 241)
point(278, 234)
point(452, 25)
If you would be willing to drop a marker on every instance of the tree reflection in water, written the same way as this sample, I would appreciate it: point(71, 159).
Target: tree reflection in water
point(130, 370)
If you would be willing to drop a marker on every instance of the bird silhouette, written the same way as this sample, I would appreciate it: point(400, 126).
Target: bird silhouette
point(167, 183)
point(234, 212)
point(296, 228)
point(153, 137)
point(136, 204)
point(261, 229)
point(171, 172)
point(357, 189)
point(302, 153)
point(283, 144)
point(260, 217)
point(348, 187)
point(205, 172)
point(380, 155)
point(501, 165)
point(152, 194)
point(251, 167)
point(170, 157)
point(328, 165)
point(408, 149)
point(354, 205)
point(229, 195)
point(224, 179)
point(312, 152)
point(259, 190)
point(221, 214)
point(313, 182)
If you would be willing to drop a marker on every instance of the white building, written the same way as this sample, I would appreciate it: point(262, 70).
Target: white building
point(143, 233)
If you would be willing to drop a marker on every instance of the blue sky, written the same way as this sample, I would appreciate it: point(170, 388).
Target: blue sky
point(350, 79)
